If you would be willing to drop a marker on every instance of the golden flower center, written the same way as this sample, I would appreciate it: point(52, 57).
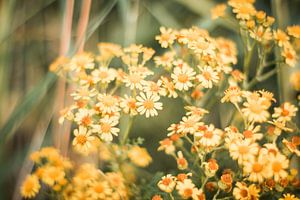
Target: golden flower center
point(243, 149)
point(134, 78)
point(105, 127)
point(183, 78)
point(255, 108)
point(285, 113)
point(257, 167)
point(103, 74)
point(181, 161)
point(29, 185)
point(289, 55)
point(206, 75)
point(131, 104)
point(81, 139)
point(248, 134)
point(165, 37)
point(243, 193)
point(276, 166)
point(208, 134)
point(86, 120)
point(148, 104)
point(99, 188)
point(108, 101)
point(188, 192)
point(166, 181)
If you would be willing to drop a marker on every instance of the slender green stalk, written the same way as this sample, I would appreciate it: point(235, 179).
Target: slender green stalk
point(126, 133)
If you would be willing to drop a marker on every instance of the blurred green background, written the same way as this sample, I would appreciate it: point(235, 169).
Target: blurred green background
point(30, 35)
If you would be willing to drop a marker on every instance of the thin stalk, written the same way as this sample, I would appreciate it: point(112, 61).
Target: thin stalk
point(126, 133)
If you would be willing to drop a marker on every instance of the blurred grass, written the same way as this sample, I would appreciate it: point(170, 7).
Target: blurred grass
point(29, 41)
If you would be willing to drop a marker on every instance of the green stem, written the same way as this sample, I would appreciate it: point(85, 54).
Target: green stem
point(125, 136)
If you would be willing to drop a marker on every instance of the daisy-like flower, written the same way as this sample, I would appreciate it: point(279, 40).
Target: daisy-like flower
point(167, 146)
point(182, 77)
point(165, 60)
point(167, 183)
point(291, 147)
point(108, 103)
point(169, 87)
point(81, 62)
point(256, 169)
point(135, 81)
point(129, 105)
point(261, 34)
point(243, 150)
point(203, 46)
point(189, 124)
point(227, 50)
point(166, 38)
point(139, 156)
point(289, 55)
point(277, 165)
point(207, 77)
point(52, 175)
point(195, 111)
point(83, 139)
point(155, 87)
point(294, 31)
point(173, 129)
point(253, 133)
point(233, 94)
point(186, 188)
point(255, 108)
point(285, 112)
point(211, 167)
point(289, 196)
point(295, 80)
point(104, 75)
point(84, 93)
point(106, 128)
point(148, 104)
point(208, 136)
point(281, 37)
point(99, 190)
point(181, 161)
point(218, 11)
point(244, 10)
point(30, 187)
point(84, 117)
point(241, 191)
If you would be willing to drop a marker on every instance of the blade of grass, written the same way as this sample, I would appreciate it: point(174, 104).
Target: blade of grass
point(201, 7)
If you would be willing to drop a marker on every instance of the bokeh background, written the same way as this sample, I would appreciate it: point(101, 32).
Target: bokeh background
point(30, 36)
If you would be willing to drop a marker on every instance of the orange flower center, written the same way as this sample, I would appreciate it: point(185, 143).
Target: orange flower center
point(208, 134)
point(244, 193)
point(276, 166)
point(103, 74)
point(285, 113)
point(86, 120)
point(243, 149)
point(81, 139)
point(99, 188)
point(206, 75)
point(148, 104)
point(105, 127)
point(183, 78)
point(166, 181)
point(131, 104)
point(248, 134)
point(257, 167)
point(188, 192)
point(134, 78)
point(108, 101)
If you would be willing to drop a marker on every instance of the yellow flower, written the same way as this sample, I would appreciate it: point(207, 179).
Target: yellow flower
point(166, 38)
point(243, 150)
point(30, 186)
point(294, 31)
point(289, 196)
point(285, 112)
point(241, 191)
point(281, 37)
point(167, 183)
point(207, 77)
point(81, 62)
point(186, 188)
point(295, 80)
point(139, 156)
point(244, 10)
point(289, 55)
point(83, 139)
point(218, 11)
point(106, 129)
point(148, 104)
point(208, 136)
point(52, 175)
point(182, 77)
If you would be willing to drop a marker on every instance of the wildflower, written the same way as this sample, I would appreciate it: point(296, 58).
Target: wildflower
point(106, 129)
point(295, 80)
point(253, 133)
point(241, 191)
point(278, 164)
point(291, 146)
point(181, 161)
point(208, 136)
point(182, 77)
point(186, 188)
point(99, 190)
point(129, 105)
point(226, 181)
point(203, 47)
point(104, 75)
point(227, 50)
point(167, 146)
point(83, 138)
point(84, 117)
point(195, 111)
point(198, 194)
point(207, 77)
point(58, 64)
point(30, 187)
point(281, 37)
point(289, 196)
point(157, 197)
point(139, 156)
point(232, 94)
point(148, 104)
point(285, 112)
point(256, 169)
point(108, 51)
point(189, 124)
point(82, 61)
point(155, 87)
point(169, 87)
point(289, 56)
point(84, 93)
point(173, 129)
point(243, 150)
point(261, 34)
point(52, 175)
point(294, 31)
point(167, 183)
point(166, 38)
point(244, 11)
point(218, 11)
point(134, 81)
point(165, 60)
point(211, 167)
point(108, 103)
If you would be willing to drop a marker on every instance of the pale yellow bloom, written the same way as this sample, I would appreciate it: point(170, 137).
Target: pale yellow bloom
point(139, 156)
point(167, 183)
point(182, 77)
point(148, 104)
point(207, 77)
point(218, 11)
point(166, 37)
point(83, 139)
